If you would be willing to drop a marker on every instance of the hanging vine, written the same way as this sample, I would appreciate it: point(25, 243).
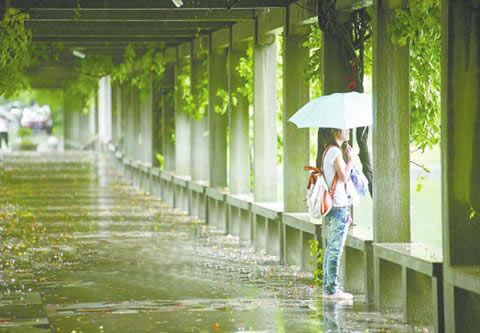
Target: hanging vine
point(15, 53)
point(135, 71)
point(245, 70)
point(420, 27)
point(200, 93)
point(313, 71)
point(84, 86)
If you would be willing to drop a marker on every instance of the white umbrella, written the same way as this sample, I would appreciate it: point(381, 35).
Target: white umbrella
point(6, 114)
point(339, 110)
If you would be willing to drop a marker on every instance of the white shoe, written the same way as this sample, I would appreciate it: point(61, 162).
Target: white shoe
point(338, 295)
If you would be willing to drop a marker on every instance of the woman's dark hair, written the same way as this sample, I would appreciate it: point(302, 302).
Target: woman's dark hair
point(326, 137)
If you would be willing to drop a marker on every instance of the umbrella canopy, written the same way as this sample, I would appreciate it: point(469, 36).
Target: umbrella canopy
point(4, 113)
point(339, 110)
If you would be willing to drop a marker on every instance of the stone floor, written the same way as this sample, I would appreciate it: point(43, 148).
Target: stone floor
point(84, 251)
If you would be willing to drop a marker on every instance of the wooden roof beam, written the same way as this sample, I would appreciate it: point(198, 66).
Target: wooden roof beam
point(111, 39)
point(92, 25)
point(141, 15)
point(150, 4)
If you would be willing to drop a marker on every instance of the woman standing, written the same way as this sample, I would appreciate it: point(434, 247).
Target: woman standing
point(330, 160)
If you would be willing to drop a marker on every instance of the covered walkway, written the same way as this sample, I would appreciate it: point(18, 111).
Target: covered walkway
point(201, 132)
point(84, 251)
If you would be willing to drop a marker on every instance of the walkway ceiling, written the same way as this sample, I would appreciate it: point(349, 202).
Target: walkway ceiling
point(105, 27)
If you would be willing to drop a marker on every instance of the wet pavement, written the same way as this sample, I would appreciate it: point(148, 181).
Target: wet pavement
point(84, 251)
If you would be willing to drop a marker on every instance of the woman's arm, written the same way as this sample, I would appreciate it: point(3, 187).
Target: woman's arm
point(343, 169)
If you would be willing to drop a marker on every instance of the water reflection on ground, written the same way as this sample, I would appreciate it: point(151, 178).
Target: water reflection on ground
point(84, 251)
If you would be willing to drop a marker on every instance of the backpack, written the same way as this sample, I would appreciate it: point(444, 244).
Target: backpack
point(319, 196)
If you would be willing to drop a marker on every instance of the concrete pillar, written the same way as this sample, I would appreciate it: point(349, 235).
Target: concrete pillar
point(74, 125)
point(104, 110)
point(117, 112)
point(182, 125)
point(67, 117)
point(146, 115)
point(114, 113)
point(391, 158)
point(138, 140)
point(265, 133)
point(461, 134)
point(199, 130)
point(156, 121)
point(108, 93)
point(461, 164)
point(296, 149)
point(239, 157)
point(129, 121)
point(90, 123)
point(217, 124)
point(168, 117)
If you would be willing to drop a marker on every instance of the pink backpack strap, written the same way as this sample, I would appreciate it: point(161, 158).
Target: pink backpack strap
point(312, 179)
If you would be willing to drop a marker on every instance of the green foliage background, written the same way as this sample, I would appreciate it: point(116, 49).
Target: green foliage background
point(420, 26)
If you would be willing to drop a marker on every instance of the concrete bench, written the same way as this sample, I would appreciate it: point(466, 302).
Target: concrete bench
point(239, 216)
point(356, 273)
point(144, 178)
point(462, 298)
point(299, 230)
point(217, 208)
point(197, 199)
point(127, 168)
point(135, 172)
point(155, 185)
point(408, 276)
point(168, 194)
point(118, 162)
point(181, 194)
point(358, 262)
point(267, 227)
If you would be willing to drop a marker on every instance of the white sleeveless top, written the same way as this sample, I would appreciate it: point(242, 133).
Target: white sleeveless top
point(340, 198)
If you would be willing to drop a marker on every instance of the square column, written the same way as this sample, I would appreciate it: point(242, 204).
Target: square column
point(182, 126)
point(137, 142)
point(104, 110)
point(391, 147)
point(67, 119)
point(127, 104)
point(217, 124)
point(199, 127)
point(168, 117)
point(115, 107)
point(89, 124)
point(156, 121)
point(391, 124)
point(146, 114)
point(296, 141)
point(265, 132)
point(461, 164)
point(119, 116)
point(238, 122)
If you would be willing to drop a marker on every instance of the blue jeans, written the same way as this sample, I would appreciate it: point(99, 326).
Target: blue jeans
point(337, 223)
